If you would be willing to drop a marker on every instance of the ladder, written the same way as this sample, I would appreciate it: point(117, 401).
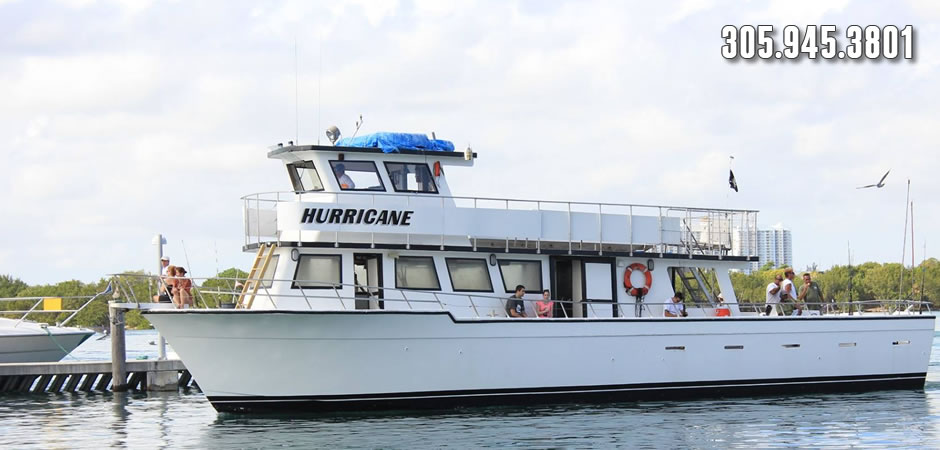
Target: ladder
point(254, 281)
point(696, 285)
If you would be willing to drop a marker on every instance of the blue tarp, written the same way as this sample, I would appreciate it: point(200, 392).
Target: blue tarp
point(393, 142)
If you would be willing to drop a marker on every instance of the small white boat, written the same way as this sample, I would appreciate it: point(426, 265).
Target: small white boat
point(374, 288)
point(23, 340)
point(37, 342)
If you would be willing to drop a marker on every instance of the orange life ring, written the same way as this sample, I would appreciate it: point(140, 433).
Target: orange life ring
point(637, 291)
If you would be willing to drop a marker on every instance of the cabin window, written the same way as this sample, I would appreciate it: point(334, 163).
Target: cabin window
point(411, 177)
point(469, 275)
point(267, 278)
point(304, 177)
point(526, 273)
point(699, 284)
point(318, 272)
point(357, 176)
point(416, 272)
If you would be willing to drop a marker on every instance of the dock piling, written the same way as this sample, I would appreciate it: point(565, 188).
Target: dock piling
point(118, 351)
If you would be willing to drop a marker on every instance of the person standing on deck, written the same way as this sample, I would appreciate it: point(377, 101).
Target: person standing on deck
point(514, 305)
point(788, 291)
point(773, 296)
point(810, 293)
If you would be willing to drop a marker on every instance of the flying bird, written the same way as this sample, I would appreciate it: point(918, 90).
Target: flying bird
point(881, 183)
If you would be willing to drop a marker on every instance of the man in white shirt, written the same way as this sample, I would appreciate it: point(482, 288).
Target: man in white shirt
point(164, 263)
point(773, 296)
point(344, 181)
point(675, 307)
point(788, 291)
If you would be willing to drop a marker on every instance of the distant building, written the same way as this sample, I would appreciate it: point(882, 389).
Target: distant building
point(772, 245)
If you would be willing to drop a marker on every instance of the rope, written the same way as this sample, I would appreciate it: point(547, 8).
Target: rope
point(67, 353)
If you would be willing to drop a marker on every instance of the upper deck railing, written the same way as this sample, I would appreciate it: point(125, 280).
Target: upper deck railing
point(510, 222)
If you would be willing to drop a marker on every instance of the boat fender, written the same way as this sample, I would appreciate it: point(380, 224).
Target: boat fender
point(637, 291)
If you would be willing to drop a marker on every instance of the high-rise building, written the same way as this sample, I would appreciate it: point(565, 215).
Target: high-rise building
point(771, 245)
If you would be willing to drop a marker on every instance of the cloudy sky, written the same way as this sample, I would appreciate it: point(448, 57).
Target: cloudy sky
point(122, 120)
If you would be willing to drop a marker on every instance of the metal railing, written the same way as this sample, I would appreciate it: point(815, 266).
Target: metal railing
point(708, 231)
point(37, 301)
point(333, 297)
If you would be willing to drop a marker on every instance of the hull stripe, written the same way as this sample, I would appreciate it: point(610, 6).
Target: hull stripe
point(451, 399)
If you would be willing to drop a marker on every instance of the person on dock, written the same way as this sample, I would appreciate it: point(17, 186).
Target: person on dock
point(543, 307)
point(182, 289)
point(810, 293)
point(773, 296)
point(514, 305)
point(675, 306)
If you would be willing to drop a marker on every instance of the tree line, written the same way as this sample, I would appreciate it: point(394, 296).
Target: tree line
point(868, 281)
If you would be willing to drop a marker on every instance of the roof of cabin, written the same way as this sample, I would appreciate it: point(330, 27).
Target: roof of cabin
point(329, 148)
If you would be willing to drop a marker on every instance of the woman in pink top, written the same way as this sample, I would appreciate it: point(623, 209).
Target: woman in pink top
point(183, 289)
point(543, 307)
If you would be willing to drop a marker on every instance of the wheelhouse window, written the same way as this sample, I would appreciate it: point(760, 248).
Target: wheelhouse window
point(357, 176)
point(408, 177)
point(469, 275)
point(526, 273)
point(318, 272)
point(267, 278)
point(416, 272)
point(304, 177)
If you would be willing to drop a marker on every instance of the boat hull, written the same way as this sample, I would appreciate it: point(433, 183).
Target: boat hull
point(39, 347)
point(369, 360)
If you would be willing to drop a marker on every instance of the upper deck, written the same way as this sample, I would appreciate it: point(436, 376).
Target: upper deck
point(350, 196)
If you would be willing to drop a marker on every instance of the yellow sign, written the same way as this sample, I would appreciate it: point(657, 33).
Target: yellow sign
point(52, 304)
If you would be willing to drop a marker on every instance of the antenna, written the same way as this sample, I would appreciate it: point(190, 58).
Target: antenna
point(319, 78)
point(907, 202)
point(359, 124)
point(296, 95)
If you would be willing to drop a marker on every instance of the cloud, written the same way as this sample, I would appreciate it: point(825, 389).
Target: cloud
point(120, 121)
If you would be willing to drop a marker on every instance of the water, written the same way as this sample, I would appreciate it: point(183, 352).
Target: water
point(885, 419)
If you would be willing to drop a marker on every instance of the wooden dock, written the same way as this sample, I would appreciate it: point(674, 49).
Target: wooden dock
point(69, 376)
point(116, 375)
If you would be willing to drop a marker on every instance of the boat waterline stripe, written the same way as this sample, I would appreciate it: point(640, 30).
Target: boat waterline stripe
point(572, 390)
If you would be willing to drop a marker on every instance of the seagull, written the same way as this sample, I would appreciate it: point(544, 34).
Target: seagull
point(880, 184)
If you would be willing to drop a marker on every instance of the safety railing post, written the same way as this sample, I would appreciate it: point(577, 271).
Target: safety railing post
point(631, 230)
point(338, 297)
point(662, 240)
point(569, 227)
point(474, 306)
point(600, 229)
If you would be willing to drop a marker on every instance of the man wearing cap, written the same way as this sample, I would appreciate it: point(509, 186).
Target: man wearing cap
point(773, 296)
point(675, 307)
point(164, 263)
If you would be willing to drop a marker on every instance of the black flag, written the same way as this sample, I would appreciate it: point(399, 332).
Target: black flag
point(731, 181)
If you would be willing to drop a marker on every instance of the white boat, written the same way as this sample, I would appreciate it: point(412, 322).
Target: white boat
point(23, 340)
point(375, 288)
point(37, 342)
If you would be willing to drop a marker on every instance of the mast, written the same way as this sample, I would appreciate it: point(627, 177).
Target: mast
point(904, 244)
